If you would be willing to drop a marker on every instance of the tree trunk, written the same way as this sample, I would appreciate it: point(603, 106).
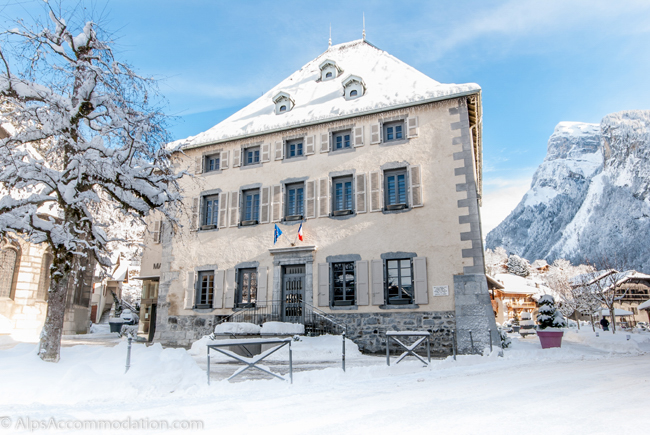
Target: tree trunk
point(575, 314)
point(591, 316)
point(612, 314)
point(50, 342)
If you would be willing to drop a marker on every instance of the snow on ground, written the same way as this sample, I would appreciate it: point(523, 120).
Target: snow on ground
point(591, 385)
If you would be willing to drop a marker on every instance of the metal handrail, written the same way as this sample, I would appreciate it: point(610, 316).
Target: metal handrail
point(325, 316)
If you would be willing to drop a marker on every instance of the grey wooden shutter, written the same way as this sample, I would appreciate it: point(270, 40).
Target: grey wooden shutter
point(377, 278)
point(223, 160)
point(363, 287)
point(194, 222)
point(420, 280)
point(412, 126)
point(265, 205)
point(262, 285)
point(155, 234)
point(323, 284)
point(230, 288)
point(190, 291)
point(198, 165)
point(276, 203)
point(360, 193)
point(323, 197)
point(236, 157)
point(311, 199)
point(375, 134)
point(375, 191)
point(279, 151)
point(266, 152)
point(223, 210)
point(324, 142)
point(415, 187)
point(217, 301)
point(358, 136)
point(234, 209)
point(310, 145)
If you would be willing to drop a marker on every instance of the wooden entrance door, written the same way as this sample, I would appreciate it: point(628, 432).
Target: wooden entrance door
point(293, 292)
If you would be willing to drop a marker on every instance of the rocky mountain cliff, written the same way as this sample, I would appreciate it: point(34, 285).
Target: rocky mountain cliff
point(590, 197)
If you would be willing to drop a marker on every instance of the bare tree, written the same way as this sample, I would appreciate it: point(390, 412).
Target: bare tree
point(88, 135)
point(571, 298)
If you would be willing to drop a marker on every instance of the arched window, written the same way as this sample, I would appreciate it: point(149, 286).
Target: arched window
point(353, 93)
point(328, 75)
point(283, 108)
point(44, 279)
point(8, 267)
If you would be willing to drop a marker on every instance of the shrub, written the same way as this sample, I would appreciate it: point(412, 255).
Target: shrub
point(549, 316)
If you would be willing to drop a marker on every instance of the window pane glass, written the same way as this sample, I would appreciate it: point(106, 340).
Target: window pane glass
point(398, 132)
point(338, 203)
point(299, 200)
point(339, 142)
point(348, 195)
point(390, 180)
point(401, 185)
point(389, 133)
point(346, 142)
point(299, 150)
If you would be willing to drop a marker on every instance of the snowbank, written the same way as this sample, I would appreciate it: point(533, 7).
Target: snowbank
point(237, 328)
point(282, 328)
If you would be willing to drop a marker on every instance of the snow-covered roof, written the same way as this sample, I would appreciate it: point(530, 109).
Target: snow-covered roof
point(521, 285)
point(390, 84)
point(617, 312)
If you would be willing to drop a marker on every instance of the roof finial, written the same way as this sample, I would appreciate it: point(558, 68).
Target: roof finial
point(330, 42)
point(364, 26)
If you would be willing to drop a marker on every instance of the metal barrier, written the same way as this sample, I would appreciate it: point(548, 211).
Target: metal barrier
point(409, 348)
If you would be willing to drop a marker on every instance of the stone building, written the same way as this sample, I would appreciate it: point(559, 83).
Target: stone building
point(378, 165)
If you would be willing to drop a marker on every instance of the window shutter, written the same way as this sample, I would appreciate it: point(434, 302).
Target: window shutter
point(155, 234)
point(223, 210)
point(265, 205)
point(262, 280)
point(415, 186)
point(198, 165)
point(323, 197)
point(325, 143)
point(360, 193)
point(310, 145)
point(236, 157)
point(190, 291)
point(266, 152)
point(230, 288)
point(223, 160)
point(358, 136)
point(375, 134)
point(420, 280)
point(323, 284)
point(375, 191)
point(276, 203)
point(218, 289)
point(412, 126)
point(234, 209)
point(363, 288)
point(311, 199)
point(194, 223)
point(279, 154)
point(377, 274)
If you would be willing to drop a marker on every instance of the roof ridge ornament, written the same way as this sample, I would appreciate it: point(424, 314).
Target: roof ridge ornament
point(330, 41)
point(364, 26)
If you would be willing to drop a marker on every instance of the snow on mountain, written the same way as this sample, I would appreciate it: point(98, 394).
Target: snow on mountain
point(590, 197)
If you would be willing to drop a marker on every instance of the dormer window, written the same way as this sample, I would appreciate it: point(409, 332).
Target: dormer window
point(329, 70)
point(353, 87)
point(283, 103)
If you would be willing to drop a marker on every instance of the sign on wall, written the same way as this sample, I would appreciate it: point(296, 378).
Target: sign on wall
point(440, 290)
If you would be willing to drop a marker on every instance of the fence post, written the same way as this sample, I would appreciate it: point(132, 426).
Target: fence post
point(208, 365)
point(290, 363)
point(471, 340)
point(343, 357)
point(453, 342)
point(490, 338)
point(128, 355)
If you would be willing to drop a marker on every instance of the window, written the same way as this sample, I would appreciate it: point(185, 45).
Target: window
point(342, 196)
point(353, 93)
point(247, 288)
point(205, 289)
point(343, 284)
point(251, 156)
point(393, 131)
point(283, 108)
point(295, 206)
point(283, 103)
point(295, 148)
point(211, 163)
point(210, 211)
point(251, 207)
point(341, 139)
point(8, 264)
point(395, 189)
point(328, 75)
point(399, 282)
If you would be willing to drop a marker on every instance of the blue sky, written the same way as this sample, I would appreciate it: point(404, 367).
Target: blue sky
point(538, 62)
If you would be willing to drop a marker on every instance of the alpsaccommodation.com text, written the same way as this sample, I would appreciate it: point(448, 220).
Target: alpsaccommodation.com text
point(33, 424)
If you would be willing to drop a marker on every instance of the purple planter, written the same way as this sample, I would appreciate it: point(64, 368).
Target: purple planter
point(550, 338)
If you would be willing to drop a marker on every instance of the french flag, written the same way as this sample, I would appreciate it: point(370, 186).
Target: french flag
point(300, 232)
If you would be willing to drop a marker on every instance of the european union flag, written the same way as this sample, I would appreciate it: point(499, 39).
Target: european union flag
point(277, 233)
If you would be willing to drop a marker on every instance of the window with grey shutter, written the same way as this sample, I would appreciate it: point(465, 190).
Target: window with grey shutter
point(266, 152)
point(219, 276)
point(396, 192)
point(310, 145)
point(155, 234)
point(211, 162)
point(189, 291)
point(358, 136)
point(415, 186)
point(360, 193)
point(294, 148)
point(342, 196)
point(310, 199)
point(205, 289)
point(375, 134)
point(342, 140)
point(399, 282)
point(223, 210)
point(377, 281)
point(323, 284)
point(344, 285)
point(265, 206)
point(251, 156)
point(375, 191)
point(234, 209)
point(324, 143)
point(294, 202)
point(420, 280)
point(363, 285)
